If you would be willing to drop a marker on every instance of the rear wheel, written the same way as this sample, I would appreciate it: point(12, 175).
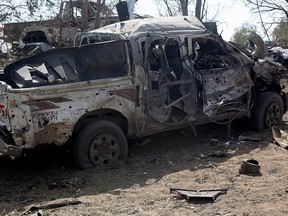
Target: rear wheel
point(267, 111)
point(100, 144)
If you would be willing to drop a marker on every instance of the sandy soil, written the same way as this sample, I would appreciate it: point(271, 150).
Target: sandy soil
point(142, 186)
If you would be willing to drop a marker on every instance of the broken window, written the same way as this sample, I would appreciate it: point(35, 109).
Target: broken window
point(85, 38)
point(208, 54)
point(35, 36)
point(96, 61)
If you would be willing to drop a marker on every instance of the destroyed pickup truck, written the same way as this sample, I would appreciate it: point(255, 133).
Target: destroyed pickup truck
point(132, 79)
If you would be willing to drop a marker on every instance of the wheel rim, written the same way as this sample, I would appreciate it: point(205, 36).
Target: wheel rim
point(273, 115)
point(104, 150)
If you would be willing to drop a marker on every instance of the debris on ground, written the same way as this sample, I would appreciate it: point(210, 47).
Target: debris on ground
point(142, 143)
point(246, 138)
point(213, 142)
point(241, 142)
point(280, 136)
point(250, 167)
point(35, 209)
point(228, 143)
point(218, 154)
point(65, 183)
point(199, 194)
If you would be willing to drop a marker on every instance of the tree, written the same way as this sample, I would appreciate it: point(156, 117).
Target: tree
point(241, 34)
point(198, 9)
point(184, 7)
point(181, 7)
point(274, 7)
point(23, 10)
point(280, 33)
point(68, 17)
point(169, 7)
point(103, 8)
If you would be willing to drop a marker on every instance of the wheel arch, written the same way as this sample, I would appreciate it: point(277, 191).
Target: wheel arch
point(103, 114)
point(261, 103)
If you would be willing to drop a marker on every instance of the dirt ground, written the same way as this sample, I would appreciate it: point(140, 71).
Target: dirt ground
point(142, 186)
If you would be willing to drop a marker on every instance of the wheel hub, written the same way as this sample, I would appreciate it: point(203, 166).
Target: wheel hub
point(273, 115)
point(104, 150)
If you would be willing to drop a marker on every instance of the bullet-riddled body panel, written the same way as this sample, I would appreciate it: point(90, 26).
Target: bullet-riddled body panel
point(49, 116)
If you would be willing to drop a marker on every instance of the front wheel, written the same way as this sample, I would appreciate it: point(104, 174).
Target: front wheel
point(267, 111)
point(100, 144)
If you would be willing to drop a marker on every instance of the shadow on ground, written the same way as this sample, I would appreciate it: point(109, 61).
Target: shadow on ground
point(49, 173)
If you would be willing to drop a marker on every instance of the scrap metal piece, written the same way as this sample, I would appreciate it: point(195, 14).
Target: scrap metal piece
point(202, 194)
point(250, 138)
point(8, 149)
point(34, 209)
point(260, 51)
point(218, 154)
point(280, 136)
point(213, 142)
point(268, 71)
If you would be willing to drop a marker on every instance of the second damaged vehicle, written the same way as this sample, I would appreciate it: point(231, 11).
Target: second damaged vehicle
point(132, 79)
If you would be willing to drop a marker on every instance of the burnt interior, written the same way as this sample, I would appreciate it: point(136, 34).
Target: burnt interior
point(169, 81)
point(194, 77)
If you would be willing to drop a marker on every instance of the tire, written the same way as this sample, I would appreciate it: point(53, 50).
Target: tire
point(250, 167)
point(267, 111)
point(100, 144)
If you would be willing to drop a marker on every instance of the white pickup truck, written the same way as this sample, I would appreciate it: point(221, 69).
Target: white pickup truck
point(132, 79)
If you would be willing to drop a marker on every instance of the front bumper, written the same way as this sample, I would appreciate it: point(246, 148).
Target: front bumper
point(9, 150)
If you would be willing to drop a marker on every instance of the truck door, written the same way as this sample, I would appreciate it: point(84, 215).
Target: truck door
point(171, 94)
point(225, 82)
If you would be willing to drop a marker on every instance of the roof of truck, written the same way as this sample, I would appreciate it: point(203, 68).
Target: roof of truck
point(155, 24)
